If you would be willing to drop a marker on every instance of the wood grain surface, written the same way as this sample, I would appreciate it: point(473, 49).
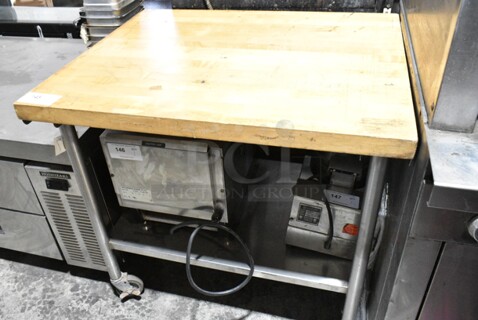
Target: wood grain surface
point(312, 80)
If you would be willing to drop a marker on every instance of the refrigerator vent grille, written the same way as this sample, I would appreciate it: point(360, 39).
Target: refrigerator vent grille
point(63, 225)
point(83, 222)
point(70, 218)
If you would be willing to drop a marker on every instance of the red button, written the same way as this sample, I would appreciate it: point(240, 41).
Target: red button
point(351, 229)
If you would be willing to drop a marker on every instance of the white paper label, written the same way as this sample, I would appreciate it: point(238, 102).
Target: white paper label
point(125, 151)
point(59, 145)
point(343, 199)
point(40, 99)
point(134, 194)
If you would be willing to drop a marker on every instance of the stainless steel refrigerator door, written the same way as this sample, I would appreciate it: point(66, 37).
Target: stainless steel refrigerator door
point(16, 191)
point(27, 233)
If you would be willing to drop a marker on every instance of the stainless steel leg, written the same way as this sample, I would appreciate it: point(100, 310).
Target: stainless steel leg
point(70, 139)
point(126, 284)
point(373, 194)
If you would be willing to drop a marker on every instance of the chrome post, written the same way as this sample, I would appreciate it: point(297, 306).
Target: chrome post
point(70, 140)
point(373, 194)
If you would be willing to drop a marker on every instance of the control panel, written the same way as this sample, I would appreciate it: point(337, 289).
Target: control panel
point(309, 227)
point(309, 214)
point(57, 184)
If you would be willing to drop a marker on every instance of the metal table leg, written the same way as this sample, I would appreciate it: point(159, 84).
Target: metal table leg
point(373, 194)
point(126, 284)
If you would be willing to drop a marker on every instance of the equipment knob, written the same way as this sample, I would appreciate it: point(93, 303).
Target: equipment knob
point(473, 228)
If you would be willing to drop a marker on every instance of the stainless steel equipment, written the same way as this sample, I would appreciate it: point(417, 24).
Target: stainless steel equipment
point(182, 178)
point(40, 22)
point(29, 190)
point(22, 221)
point(104, 16)
point(59, 195)
point(113, 18)
point(23, 226)
point(310, 222)
point(428, 269)
point(28, 233)
point(17, 192)
point(309, 227)
point(28, 61)
point(452, 293)
point(448, 73)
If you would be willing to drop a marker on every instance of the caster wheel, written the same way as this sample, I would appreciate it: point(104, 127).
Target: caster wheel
point(129, 286)
point(137, 283)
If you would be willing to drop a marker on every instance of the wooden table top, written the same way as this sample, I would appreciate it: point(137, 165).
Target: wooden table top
point(311, 80)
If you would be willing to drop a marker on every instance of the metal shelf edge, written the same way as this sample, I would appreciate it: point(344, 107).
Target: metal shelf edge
point(296, 278)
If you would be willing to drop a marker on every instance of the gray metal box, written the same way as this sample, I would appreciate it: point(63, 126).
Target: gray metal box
point(309, 226)
point(166, 175)
point(67, 214)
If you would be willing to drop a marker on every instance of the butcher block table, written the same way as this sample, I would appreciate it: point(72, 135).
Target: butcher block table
point(323, 81)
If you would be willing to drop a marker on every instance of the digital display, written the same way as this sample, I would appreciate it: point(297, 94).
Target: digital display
point(309, 214)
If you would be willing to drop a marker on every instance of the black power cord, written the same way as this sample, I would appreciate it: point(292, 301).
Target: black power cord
point(211, 224)
point(330, 235)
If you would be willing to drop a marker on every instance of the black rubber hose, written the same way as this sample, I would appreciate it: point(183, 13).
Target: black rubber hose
point(204, 224)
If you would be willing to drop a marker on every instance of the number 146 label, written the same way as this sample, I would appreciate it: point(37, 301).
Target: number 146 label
point(125, 151)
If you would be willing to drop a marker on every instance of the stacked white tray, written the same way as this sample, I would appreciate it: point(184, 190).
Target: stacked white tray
point(103, 16)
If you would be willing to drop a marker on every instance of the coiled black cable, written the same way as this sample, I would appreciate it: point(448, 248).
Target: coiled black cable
point(211, 224)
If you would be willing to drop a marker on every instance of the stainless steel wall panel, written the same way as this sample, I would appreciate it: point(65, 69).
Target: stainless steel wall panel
point(414, 232)
point(405, 180)
point(454, 290)
point(416, 267)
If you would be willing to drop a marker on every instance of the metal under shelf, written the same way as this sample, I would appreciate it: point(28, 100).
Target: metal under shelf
point(263, 228)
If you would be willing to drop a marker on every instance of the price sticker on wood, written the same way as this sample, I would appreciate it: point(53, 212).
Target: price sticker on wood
point(40, 99)
point(125, 151)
